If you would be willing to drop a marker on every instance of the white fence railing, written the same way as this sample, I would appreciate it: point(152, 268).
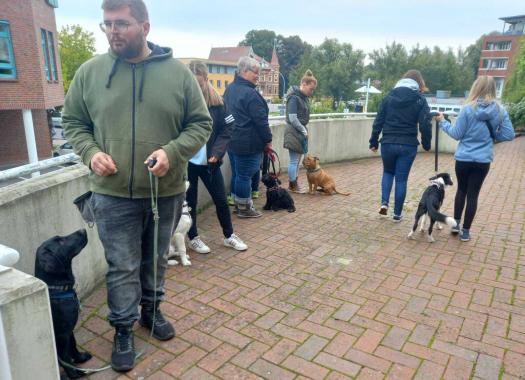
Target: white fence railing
point(23, 170)
point(347, 115)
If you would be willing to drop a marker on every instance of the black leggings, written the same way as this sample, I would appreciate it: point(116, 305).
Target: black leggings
point(214, 183)
point(470, 177)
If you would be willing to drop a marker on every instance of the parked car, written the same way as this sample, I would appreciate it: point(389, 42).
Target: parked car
point(56, 119)
point(65, 148)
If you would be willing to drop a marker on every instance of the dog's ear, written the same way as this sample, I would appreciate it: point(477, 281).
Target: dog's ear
point(48, 262)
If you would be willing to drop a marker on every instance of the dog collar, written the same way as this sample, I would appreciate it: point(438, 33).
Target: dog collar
point(60, 288)
point(275, 188)
point(312, 171)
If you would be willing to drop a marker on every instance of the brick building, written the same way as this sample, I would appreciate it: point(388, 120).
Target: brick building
point(30, 79)
point(499, 50)
point(222, 63)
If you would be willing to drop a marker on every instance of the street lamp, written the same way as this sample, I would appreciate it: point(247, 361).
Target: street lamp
point(284, 84)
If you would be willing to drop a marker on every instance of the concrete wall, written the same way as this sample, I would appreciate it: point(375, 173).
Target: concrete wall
point(37, 209)
point(27, 344)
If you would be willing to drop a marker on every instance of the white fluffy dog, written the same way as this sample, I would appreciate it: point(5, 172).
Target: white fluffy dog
point(178, 245)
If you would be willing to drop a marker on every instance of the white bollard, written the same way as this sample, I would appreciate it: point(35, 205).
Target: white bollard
point(8, 256)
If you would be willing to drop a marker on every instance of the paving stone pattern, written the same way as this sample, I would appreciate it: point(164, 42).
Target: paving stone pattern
point(334, 291)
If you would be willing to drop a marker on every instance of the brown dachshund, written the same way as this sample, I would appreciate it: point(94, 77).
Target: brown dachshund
point(317, 177)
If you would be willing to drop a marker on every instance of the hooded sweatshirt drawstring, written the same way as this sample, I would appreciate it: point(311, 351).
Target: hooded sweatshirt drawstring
point(112, 72)
point(142, 77)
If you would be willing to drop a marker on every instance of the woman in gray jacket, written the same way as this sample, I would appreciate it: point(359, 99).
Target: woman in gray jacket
point(296, 131)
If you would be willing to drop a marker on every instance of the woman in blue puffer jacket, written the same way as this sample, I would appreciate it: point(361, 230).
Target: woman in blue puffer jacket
point(481, 122)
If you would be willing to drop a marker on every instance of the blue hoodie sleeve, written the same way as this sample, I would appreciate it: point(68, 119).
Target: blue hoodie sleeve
point(458, 130)
point(504, 131)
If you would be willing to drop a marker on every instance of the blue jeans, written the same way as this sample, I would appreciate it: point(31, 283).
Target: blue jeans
point(397, 161)
point(293, 166)
point(246, 166)
point(254, 181)
point(125, 227)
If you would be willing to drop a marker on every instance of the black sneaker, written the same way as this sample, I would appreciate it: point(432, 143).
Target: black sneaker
point(123, 353)
point(162, 329)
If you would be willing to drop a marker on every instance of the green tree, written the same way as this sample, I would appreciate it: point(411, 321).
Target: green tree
point(262, 42)
point(514, 90)
point(388, 65)
point(337, 67)
point(290, 50)
point(76, 46)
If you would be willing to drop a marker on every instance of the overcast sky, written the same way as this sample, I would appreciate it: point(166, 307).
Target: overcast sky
point(191, 28)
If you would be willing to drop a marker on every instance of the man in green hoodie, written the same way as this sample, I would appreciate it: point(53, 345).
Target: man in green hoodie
point(130, 106)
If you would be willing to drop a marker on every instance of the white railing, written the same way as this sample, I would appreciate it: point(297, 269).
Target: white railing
point(348, 115)
point(23, 170)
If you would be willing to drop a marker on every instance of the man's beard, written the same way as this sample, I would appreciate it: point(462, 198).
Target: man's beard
point(131, 50)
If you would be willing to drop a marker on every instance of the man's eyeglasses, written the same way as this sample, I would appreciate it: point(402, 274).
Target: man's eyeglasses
point(118, 26)
point(256, 72)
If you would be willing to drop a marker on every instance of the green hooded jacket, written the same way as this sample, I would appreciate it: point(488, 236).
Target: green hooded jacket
point(130, 110)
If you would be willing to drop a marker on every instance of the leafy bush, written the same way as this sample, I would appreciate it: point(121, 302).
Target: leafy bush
point(517, 114)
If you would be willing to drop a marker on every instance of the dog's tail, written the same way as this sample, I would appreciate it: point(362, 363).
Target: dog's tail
point(436, 215)
point(345, 194)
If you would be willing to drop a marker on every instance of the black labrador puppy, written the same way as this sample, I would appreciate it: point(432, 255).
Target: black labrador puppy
point(276, 197)
point(53, 266)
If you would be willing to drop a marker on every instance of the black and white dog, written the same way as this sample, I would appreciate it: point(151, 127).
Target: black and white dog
point(276, 197)
point(430, 204)
point(53, 266)
point(178, 245)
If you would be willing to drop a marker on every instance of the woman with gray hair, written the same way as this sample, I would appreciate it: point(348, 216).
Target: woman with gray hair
point(251, 134)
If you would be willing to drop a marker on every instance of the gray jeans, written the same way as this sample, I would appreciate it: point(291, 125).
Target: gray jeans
point(125, 227)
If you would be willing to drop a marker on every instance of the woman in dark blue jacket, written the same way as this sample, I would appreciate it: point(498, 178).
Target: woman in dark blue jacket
point(251, 134)
point(206, 166)
point(400, 113)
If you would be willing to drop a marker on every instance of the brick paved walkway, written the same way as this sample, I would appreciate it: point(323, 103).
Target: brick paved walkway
point(335, 292)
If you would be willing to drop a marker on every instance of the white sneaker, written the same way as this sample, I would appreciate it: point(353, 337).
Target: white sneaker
point(197, 245)
point(236, 243)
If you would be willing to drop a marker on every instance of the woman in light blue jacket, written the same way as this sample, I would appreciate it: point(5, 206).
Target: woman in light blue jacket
point(480, 123)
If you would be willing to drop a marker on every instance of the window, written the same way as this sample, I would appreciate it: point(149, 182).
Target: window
point(52, 3)
point(226, 83)
point(499, 86)
point(211, 82)
point(48, 49)
point(7, 57)
point(501, 45)
point(225, 70)
point(495, 64)
point(219, 83)
point(276, 78)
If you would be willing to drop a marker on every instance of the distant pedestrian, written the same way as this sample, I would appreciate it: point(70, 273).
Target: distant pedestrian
point(251, 134)
point(481, 122)
point(206, 166)
point(296, 130)
point(400, 113)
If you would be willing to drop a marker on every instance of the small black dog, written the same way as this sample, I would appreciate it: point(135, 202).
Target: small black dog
point(276, 197)
point(53, 266)
point(430, 204)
